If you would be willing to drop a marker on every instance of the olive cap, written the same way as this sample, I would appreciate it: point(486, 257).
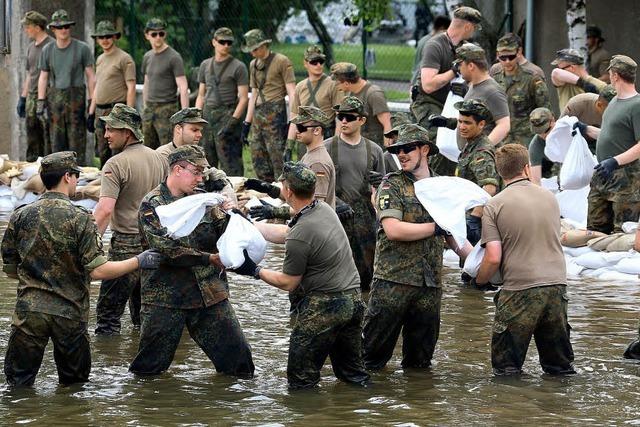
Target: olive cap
point(299, 176)
point(61, 161)
point(253, 39)
point(187, 115)
point(124, 117)
point(193, 154)
point(539, 120)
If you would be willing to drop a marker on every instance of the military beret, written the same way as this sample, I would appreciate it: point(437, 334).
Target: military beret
point(155, 24)
point(568, 55)
point(475, 107)
point(34, 18)
point(350, 104)
point(59, 18)
point(608, 93)
point(344, 70)
point(298, 176)
point(622, 64)
point(470, 52)
point(253, 39)
point(61, 161)
point(187, 115)
point(411, 134)
point(307, 113)
point(468, 14)
point(193, 154)
point(223, 33)
point(314, 52)
point(124, 117)
point(539, 120)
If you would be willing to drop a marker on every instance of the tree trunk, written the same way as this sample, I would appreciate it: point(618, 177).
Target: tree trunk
point(321, 30)
point(577, 24)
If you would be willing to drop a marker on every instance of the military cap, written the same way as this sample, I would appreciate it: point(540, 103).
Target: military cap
point(34, 18)
point(105, 28)
point(344, 70)
point(468, 14)
point(350, 104)
point(608, 93)
point(253, 39)
point(193, 154)
point(59, 18)
point(622, 64)
point(568, 55)
point(299, 176)
point(411, 134)
point(539, 120)
point(187, 115)
point(125, 117)
point(475, 107)
point(61, 161)
point(395, 131)
point(155, 24)
point(470, 52)
point(508, 43)
point(595, 32)
point(307, 113)
point(314, 52)
point(224, 33)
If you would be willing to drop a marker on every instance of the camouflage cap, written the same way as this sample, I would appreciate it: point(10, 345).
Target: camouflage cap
point(540, 119)
point(395, 131)
point(622, 64)
point(413, 133)
point(125, 117)
point(571, 56)
point(187, 115)
point(61, 161)
point(34, 18)
point(59, 18)
point(223, 33)
point(105, 28)
point(468, 14)
point(470, 52)
point(193, 154)
point(508, 43)
point(298, 176)
point(344, 70)
point(253, 39)
point(350, 104)
point(474, 106)
point(311, 114)
point(608, 93)
point(155, 24)
point(314, 52)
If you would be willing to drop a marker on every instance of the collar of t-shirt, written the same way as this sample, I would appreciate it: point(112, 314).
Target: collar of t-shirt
point(303, 211)
point(519, 182)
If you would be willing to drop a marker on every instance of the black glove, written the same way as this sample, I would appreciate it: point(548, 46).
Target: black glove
point(91, 123)
point(375, 178)
point(248, 267)
point(415, 91)
point(242, 214)
point(606, 167)
point(459, 89)
point(267, 211)
point(579, 126)
point(214, 185)
point(149, 259)
point(474, 229)
point(41, 107)
point(442, 122)
point(586, 86)
point(343, 211)
point(229, 130)
point(286, 156)
point(482, 286)
point(244, 133)
point(262, 187)
point(22, 107)
point(455, 67)
point(439, 231)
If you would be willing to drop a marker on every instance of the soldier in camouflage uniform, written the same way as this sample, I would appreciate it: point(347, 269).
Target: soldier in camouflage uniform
point(327, 319)
point(190, 288)
point(407, 281)
point(477, 161)
point(398, 120)
point(54, 250)
point(542, 122)
point(525, 90)
point(270, 78)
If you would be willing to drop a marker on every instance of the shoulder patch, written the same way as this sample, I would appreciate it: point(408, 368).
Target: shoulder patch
point(383, 202)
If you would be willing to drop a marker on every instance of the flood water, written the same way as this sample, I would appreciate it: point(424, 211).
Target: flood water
point(459, 389)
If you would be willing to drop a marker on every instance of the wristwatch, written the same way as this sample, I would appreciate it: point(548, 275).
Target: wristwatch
point(256, 273)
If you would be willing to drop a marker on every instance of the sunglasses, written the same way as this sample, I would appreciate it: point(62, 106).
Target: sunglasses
point(347, 117)
point(507, 57)
point(317, 62)
point(225, 42)
point(406, 149)
point(63, 27)
point(302, 128)
point(104, 37)
point(155, 34)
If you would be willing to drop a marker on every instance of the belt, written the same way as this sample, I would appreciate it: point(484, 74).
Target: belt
point(110, 105)
point(352, 291)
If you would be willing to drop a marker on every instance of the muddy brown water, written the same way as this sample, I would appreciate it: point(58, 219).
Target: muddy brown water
point(459, 389)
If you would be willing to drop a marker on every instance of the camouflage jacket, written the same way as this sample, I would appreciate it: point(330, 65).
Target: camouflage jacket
point(477, 162)
point(416, 263)
point(52, 246)
point(185, 279)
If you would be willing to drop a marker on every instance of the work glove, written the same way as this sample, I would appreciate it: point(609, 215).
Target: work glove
point(267, 211)
point(439, 231)
point(244, 133)
point(149, 259)
point(343, 211)
point(459, 89)
point(262, 187)
point(474, 229)
point(91, 123)
point(482, 286)
point(442, 122)
point(41, 107)
point(415, 91)
point(214, 185)
point(375, 178)
point(228, 131)
point(248, 267)
point(22, 107)
point(606, 167)
point(242, 214)
point(581, 127)
point(455, 67)
point(586, 86)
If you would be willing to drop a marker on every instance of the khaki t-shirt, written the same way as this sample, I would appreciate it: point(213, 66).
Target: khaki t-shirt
point(327, 95)
point(235, 74)
point(66, 67)
point(525, 218)
point(620, 127)
point(598, 62)
point(128, 177)
point(112, 73)
point(583, 106)
point(317, 248)
point(279, 73)
point(494, 97)
point(161, 70)
point(375, 102)
point(33, 55)
point(319, 161)
point(568, 91)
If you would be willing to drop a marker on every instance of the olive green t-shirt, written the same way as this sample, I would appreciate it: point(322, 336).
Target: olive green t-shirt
point(375, 102)
point(538, 158)
point(583, 106)
point(317, 248)
point(66, 66)
point(161, 70)
point(319, 161)
point(279, 73)
point(327, 94)
point(33, 56)
point(494, 97)
point(112, 73)
point(438, 53)
point(620, 127)
point(235, 74)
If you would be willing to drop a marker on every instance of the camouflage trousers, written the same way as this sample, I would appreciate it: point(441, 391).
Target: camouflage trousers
point(68, 127)
point(115, 293)
point(326, 325)
point(220, 150)
point(423, 107)
point(361, 231)
point(393, 308)
point(156, 128)
point(616, 201)
point(539, 312)
point(215, 329)
point(102, 146)
point(38, 139)
point(267, 139)
point(30, 333)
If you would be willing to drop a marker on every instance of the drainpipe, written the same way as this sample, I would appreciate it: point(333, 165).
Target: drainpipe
point(528, 43)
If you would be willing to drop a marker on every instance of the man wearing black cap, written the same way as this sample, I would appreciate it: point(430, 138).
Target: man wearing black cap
point(599, 57)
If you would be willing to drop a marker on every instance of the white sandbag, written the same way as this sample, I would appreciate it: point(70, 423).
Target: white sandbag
point(593, 260)
point(577, 168)
point(559, 139)
point(630, 265)
point(88, 204)
point(28, 198)
point(5, 190)
point(447, 198)
point(550, 184)
point(576, 252)
point(450, 258)
point(182, 216)
point(6, 203)
point(239, 235)
point(614, 257)
point(629, 227)
point(573, 269)
point(617, 276)
point(473, 261)
point(30, 169)
point(594, 274)
point(574, 205)
point(446, 139)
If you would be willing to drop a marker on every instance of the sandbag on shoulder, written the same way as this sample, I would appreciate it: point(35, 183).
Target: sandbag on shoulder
point(601, 243)
point(578, 238)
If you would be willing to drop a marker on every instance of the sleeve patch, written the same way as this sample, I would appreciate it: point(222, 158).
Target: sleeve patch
point(383, 202)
